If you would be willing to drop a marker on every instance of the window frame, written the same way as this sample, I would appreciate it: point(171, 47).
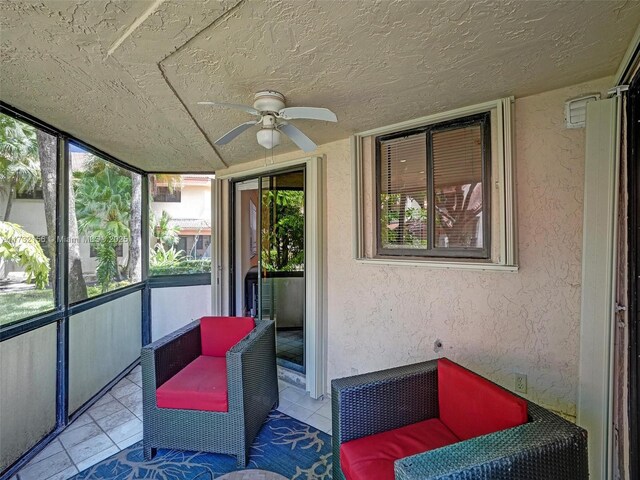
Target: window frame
point(168, 197)
point(504, 242)
point(62, 306)
point(175, 279)
point(67, 170)
point(432, 251)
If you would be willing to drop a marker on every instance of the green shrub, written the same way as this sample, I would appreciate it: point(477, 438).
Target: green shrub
point(94, 290)
point(18, 245)
point(182, 267)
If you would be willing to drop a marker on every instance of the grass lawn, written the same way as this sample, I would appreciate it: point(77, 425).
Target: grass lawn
point(17, 305)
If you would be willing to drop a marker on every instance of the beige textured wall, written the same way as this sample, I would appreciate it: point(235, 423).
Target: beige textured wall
point(495, 323)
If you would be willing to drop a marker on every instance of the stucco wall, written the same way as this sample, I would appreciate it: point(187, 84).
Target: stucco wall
point(195, 202)
point(492, 322)
point(495, 323)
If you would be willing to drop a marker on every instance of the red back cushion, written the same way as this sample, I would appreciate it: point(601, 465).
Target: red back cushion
point(219, 334)
point(471, 406)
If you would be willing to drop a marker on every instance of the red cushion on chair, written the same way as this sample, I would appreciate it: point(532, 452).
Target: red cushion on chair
point(372, 457)
point(472, 406)
point(219, 334)
point(201, 385)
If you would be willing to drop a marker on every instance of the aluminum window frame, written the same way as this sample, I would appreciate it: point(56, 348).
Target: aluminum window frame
point(431, 250)
point(504, 255)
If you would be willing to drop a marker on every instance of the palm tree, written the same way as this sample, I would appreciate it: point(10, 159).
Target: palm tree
point(103, 209)
point(19, 164)
point(164, 233)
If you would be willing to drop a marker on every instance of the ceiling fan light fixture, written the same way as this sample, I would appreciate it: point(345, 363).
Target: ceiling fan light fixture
point(268, 137)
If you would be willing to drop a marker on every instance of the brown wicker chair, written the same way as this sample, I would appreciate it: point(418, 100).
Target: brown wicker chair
point(546, 447)
point(252, 391)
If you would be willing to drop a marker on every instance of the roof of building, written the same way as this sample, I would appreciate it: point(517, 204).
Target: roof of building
point(190, 223)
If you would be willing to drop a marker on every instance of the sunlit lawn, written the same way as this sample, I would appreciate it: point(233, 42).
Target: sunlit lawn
point(22, 304)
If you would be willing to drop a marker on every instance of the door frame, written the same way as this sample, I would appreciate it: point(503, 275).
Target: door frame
point(315, 323)
point(633, 158)
point(594, 406)
point(238, 286)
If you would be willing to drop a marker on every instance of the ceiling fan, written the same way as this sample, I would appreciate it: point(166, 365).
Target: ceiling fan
point(273, 119)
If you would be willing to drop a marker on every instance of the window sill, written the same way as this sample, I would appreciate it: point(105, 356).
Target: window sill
point(443, 264)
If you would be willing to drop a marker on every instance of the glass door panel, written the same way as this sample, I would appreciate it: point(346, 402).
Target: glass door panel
point(281, 286)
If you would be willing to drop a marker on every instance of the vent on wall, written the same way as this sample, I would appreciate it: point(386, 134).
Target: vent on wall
point(575, 110)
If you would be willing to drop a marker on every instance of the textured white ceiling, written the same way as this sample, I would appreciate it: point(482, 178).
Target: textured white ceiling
point(125, 76)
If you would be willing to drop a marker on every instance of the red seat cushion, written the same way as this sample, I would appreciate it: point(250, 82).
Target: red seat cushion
point(201, 385)
point(219, 334)
point(372, 457)
point(472, 406)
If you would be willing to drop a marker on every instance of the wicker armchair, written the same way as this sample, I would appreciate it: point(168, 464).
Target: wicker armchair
point(546, 447)
point(251, 393)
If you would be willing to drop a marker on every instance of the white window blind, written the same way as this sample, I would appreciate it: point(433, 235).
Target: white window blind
point(431, 190)
point(403, 192)
point(457, 174)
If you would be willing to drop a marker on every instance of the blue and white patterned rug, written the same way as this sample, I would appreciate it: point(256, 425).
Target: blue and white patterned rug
point(283, 445)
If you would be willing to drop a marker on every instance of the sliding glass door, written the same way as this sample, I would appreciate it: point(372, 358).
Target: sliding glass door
point(269, 258)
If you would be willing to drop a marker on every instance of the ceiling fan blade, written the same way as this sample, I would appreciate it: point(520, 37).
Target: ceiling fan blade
point(231, 134)
point(311, 113)
point(299, 138)
point(244, 108)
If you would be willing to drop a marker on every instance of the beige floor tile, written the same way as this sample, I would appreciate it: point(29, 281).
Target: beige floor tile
point(309, 403)
point(319, 422)
point(112, 421)
point(106, 398)
point(46, 468)
point(98, 457)
point(126, 430)
point(64, 475)
point(90, 447)
point(123, 388)
point(325, 410)
point(130, 401)
point(295, 411)
point(291, 394)
point(83, 419)
point(69, 438)
point(54, 447)
point(99, 411)
point(127, 442)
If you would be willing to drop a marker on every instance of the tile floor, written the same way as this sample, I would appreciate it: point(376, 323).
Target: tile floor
point(115, 422)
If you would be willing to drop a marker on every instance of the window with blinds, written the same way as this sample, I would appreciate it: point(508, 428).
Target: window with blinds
point(433, 190)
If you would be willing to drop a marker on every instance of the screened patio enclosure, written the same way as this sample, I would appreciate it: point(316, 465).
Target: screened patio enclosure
point(476, 199)
point(91, 251)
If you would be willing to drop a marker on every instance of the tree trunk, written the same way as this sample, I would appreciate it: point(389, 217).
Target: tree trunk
point(12, 192)
point(134, 264)
point(47, 152)
point(77, 285)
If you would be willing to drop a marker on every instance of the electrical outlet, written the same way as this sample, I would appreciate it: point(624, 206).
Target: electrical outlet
point(354, 371)
point(521, 383)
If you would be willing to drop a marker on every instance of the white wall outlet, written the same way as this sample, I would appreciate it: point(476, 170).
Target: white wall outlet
point(354, 371)
point(521, 383)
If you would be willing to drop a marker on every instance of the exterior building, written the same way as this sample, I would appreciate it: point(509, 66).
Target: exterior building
point(188, 204)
